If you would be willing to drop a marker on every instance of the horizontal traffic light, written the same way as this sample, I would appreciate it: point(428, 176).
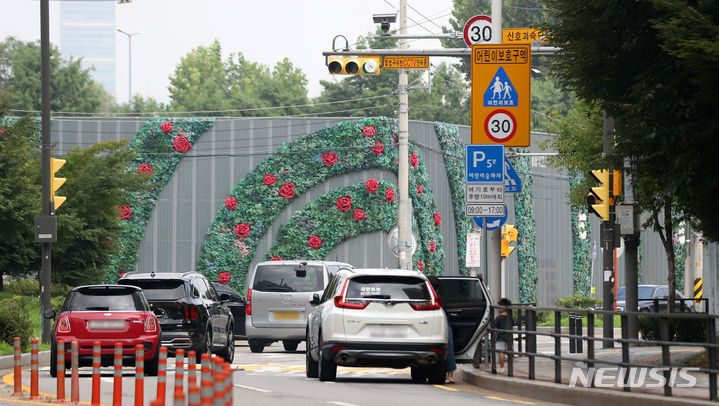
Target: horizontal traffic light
point(346, 65)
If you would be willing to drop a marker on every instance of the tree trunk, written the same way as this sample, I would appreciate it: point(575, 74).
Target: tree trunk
point(666, 233)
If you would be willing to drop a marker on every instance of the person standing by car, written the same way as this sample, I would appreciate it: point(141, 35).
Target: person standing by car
point(451, 362)
point(503, 322)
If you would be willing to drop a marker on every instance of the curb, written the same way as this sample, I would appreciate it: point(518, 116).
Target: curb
point(579, 396)
point(7, 361)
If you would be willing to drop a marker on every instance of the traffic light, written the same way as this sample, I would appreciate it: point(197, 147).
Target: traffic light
point(350, 65)
point(55, 183)
point(509, 234)
point(598, 198)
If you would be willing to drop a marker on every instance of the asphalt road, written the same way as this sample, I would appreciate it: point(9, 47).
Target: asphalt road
point(276, 377)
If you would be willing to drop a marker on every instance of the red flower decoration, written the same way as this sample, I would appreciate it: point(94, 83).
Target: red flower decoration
point(314, 242)
point(421, 265)
point(287, 190)
point(224, 277)
point(378, 148)
point(389, 195)
point(368, 131)
point(2, 131)
point(344, 203)
point(166, 127)
point(276, 259)
point(231, 203)
point(269, 179)
point(358, 215)
point(145, 168)
point(371, 185)
point(437, 219)
point(122, 275)
point(125, 212)
point(419, 189)
point(330, 158)
point(413, 160)
point(243, 230)
point(432, 247)
point(181, 144)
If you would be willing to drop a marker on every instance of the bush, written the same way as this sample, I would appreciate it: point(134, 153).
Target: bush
point(60, 290)
point(14, 321)
point(578, 302)
point(56, 303)
point(684, 330)
point(24, 287)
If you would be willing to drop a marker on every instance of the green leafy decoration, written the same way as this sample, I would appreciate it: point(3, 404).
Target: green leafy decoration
point(527, 239)
point(153, 147)
point(581, 246)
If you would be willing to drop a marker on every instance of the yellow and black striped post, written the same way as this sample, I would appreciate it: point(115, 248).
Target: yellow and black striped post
point(698, 289)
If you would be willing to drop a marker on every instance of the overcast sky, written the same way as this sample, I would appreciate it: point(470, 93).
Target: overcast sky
point(264, 31)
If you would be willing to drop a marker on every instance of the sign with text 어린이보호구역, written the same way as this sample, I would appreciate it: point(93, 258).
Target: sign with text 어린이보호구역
point(501, 94)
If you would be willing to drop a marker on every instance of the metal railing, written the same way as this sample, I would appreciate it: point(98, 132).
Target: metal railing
point(530, 333)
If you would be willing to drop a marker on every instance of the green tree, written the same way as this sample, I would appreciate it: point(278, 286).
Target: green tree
point(199, 82)
point(71, 87)
point(97, 181)
point(448, 100)
point(19, 196)
point(660, 88)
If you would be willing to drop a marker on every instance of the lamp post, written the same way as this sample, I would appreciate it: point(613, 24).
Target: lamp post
point(129, 65)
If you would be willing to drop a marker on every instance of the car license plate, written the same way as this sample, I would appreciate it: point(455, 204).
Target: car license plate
point(286, 315)
point(106, 324)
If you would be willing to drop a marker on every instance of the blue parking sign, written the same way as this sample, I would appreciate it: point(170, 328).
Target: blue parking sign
point(485, 163)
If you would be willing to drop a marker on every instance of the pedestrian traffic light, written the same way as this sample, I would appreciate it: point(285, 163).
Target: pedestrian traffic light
point(509, 234)
point(598, 198)
point(350, 65)
point(55, 165)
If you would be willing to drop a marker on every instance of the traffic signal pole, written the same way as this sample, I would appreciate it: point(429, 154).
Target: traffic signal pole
point(607, 243)
point(47, 209)
point(405, 204)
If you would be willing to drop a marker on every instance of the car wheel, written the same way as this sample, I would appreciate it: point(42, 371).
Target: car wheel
point(327, 369)
point(207, 345)
point(438, 373)
point(311, 366)
point(419, 374)
point(290, 345)
point(53, 360)
point(152, 364)
point(228, 353)
point(256, 345)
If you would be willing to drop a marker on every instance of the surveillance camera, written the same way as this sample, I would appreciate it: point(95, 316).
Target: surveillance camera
point(385, 18)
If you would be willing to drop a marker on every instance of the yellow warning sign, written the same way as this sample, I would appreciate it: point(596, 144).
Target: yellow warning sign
point(406, 62)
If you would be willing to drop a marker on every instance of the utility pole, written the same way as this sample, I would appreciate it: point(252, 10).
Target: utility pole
point(607, 238)
point(47, 206)
point(630, 232)
point(405, 204)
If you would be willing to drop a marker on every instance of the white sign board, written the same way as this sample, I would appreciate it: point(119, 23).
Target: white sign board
point(484, 210)
point(472, 257)
point(484, 193)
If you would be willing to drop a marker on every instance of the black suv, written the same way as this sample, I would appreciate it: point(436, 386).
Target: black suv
point(190, 312)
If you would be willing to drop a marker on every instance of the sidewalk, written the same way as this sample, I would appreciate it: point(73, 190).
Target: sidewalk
point(544, 388)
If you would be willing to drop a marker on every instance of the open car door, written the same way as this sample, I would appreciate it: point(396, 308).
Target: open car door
point(466, 301)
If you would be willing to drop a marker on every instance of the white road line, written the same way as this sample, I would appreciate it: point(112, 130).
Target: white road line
point(253, 389)
point(332, 402)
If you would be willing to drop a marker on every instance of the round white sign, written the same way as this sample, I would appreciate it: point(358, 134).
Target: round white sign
point(478, 30)
point(500, 125)
point(393, 242)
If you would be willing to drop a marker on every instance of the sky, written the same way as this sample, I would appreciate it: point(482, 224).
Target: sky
point(263, 31)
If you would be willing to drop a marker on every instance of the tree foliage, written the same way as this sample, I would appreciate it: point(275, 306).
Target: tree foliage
point(71, 87)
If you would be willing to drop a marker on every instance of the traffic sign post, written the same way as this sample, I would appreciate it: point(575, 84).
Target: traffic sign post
point(478, 30)
point(484, 163)
point(512, 182)
point(501, 94)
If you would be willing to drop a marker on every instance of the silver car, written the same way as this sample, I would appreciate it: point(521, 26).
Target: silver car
point(277, 300)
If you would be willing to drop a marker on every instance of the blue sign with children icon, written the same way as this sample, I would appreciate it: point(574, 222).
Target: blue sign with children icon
point(500, 91)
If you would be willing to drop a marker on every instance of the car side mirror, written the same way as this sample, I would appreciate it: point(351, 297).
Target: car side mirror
point(159, 312)
point(225, 297)
point(50, 314)
point(315, 299)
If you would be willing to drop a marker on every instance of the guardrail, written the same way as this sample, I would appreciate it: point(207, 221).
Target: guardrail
point(665, 341)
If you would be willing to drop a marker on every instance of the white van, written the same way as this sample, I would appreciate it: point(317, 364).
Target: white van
point(278, 300)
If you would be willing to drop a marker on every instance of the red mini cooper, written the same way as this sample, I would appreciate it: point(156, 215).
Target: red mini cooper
point(109, 314)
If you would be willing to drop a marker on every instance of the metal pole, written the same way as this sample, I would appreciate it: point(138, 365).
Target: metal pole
point(631, 262)
point(607, 239)
point(129, 68)
point(47, 209)
point(405, 204)
point(494, 237)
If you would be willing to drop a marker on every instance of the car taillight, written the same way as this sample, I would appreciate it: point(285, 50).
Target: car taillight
point(150, 324)
point(191, 313)
point(341, 300)
point(434, 303)
point(63, 324)
point(248, 304)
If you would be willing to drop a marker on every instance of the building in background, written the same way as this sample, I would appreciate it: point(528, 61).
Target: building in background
point(87, 31)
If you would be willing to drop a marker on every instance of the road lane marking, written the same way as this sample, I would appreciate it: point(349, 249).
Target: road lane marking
point(510, 400)
point(253, 388)
point(334, 402)
point(447, 388)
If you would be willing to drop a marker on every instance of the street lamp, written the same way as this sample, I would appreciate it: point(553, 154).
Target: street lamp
point(129, 65)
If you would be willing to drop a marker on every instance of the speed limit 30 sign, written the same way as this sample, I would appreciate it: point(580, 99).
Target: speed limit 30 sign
point(501, 94)
point(478, 30)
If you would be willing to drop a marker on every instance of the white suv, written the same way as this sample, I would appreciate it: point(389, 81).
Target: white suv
point(377, 318)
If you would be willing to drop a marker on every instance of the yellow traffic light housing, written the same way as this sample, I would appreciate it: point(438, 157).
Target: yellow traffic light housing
point(350, 65)
point(55, 183)
point(509, 234)
point(598, 198)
